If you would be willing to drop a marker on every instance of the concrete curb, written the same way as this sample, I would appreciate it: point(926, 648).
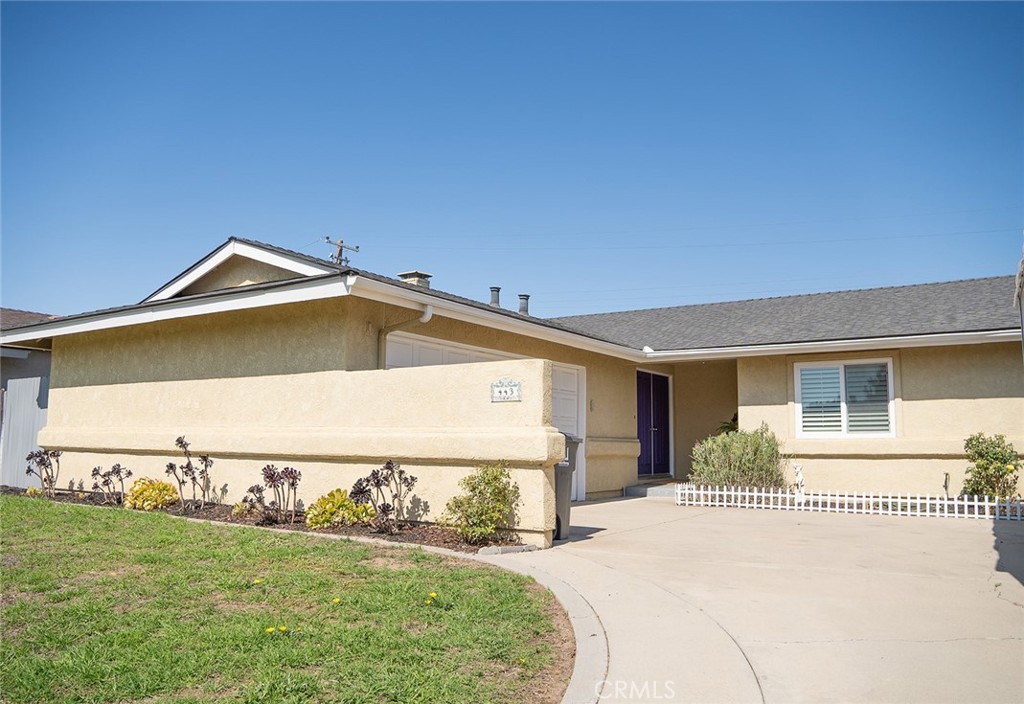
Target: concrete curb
point(505, 549)
point(590, 664)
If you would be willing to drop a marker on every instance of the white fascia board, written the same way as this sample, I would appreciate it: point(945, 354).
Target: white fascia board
point(385, 293)
point(297, 291)
point(877, 343)
point(241, 249)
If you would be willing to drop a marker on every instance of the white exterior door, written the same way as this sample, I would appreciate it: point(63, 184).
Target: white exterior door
point(568, 384)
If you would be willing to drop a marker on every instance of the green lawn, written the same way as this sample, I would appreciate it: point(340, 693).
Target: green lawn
point(106, 605)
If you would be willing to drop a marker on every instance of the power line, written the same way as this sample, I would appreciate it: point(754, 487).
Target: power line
point(703, 286)
point(701, 245)
point(746, 226)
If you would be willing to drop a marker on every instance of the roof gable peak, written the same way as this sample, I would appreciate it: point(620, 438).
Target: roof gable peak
point(240, 262)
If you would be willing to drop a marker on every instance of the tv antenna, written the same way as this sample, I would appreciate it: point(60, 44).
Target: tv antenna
point(339, 256)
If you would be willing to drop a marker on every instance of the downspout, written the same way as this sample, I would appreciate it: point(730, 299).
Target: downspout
point(382, 336)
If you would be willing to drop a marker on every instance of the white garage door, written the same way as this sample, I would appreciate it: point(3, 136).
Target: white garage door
point(568, 382)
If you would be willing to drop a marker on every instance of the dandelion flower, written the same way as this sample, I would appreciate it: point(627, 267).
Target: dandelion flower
point(282, 628)
point(335, 600)
point(428, 602)
point(270, 630)
point(433, 595)
point(257, 581)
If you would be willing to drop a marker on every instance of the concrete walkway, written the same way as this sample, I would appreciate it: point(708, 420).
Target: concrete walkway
point(730, 605)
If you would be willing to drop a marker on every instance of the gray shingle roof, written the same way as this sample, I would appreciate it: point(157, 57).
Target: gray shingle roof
point(956, 306)
point(14, 318)
point(437, 293)
point(338, 271)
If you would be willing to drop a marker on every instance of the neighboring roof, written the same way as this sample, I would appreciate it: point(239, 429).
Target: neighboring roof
point(14, 318)
point(973, 305)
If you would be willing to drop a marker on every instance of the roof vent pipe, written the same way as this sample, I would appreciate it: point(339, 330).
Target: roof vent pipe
point(495, 293)
point(524, 304)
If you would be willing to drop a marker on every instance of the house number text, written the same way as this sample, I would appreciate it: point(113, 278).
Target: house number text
point(506, 390)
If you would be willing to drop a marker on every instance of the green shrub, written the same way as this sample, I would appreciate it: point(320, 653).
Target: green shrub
point(487, 508)
point(994, 466)
point(337, 509)
point(739, 458)
point(147, 494)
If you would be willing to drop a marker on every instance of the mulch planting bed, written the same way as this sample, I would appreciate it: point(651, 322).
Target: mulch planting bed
point(412, 533)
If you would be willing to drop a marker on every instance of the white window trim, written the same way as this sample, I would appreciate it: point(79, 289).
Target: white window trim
point(844, 433)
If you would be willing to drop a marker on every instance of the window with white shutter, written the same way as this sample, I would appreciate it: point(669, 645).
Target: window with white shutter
point(844, 398)
point(819, 396)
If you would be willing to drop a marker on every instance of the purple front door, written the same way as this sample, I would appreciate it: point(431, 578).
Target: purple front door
point(652, 424)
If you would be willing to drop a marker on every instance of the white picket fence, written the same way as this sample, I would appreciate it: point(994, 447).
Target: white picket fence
point(851, 502)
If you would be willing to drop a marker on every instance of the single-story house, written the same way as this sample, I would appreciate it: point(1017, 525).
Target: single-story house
point(257, 353)
point(24, 387)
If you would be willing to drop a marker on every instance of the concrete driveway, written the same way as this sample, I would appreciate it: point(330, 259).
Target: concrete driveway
point(734, 605)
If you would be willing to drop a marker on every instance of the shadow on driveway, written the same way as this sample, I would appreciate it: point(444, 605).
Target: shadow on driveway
point(1009, 545)
point(579, 533)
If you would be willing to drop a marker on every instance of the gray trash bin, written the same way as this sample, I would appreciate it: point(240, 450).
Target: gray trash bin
point(563, 486)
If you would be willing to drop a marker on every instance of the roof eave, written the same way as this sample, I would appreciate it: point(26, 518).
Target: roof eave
point(974, 337)
point(256, 296)
point(292, 291)
point(396, 295)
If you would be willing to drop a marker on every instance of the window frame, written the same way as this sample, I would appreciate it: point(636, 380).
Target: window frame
point(843, 410)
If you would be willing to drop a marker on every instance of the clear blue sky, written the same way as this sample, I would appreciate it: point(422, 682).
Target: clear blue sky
point(598, 156)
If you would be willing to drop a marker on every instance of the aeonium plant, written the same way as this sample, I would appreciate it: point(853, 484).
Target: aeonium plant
point(386, 490)
point(45, 464)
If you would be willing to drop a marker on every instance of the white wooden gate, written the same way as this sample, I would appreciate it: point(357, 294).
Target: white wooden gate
point(24, 409)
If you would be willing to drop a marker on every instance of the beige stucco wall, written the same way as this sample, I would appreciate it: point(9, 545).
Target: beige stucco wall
point(705, 396)
point(266, 355)
point(285, 339)
point(611, 446)
point(942, 395)
point(270, 386)
point(238, 271)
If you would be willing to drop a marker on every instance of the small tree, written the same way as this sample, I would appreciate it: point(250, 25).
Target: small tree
point(994, 466)
point(739, 458)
